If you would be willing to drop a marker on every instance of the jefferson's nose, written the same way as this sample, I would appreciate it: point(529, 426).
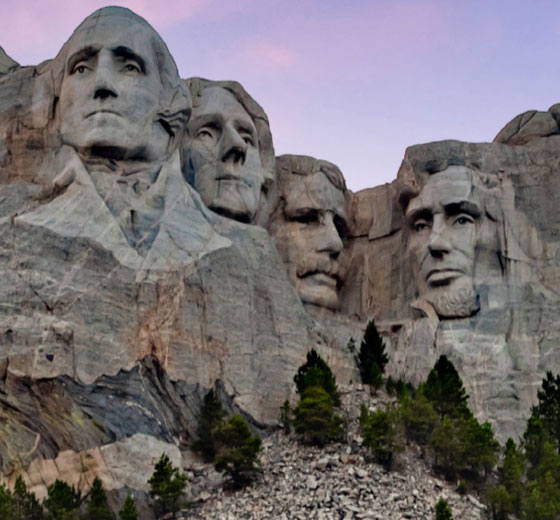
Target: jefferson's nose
point(104, 79)
point(233, 148)
point(329, 237)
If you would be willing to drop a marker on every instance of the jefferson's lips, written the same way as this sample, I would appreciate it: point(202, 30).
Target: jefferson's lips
point(321, 278)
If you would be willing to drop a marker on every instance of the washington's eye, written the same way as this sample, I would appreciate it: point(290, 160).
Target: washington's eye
point(248, 140)
point(79, 69)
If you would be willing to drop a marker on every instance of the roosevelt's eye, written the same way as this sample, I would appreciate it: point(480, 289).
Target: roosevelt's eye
point(420, 225)
point(308, 217)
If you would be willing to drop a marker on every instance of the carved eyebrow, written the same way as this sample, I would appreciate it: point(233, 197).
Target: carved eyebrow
point(128, 54)
point(82, 54)
point(419, 213)
point(464, 206)
point(215, 119)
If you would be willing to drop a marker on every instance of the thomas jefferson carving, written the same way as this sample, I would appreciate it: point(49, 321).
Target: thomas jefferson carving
point(309, 225)
point(227, 155)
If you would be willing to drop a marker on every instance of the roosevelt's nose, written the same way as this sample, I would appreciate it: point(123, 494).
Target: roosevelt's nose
point(233, 147)
point(105, 81)
point(329, 237)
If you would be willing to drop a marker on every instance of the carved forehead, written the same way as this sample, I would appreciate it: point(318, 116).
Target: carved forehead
point(217, 101)
point(456, 184)
point(313, 191)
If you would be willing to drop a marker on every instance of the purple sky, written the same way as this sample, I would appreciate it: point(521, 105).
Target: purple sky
point(352, 82)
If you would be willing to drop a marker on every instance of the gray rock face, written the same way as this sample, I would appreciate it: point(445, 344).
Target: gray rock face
point(150, 251)
point(6, 63)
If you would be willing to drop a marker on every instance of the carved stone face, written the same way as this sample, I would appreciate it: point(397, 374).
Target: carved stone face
point(109, 98)
point(222, 156)
point(444, 223)
point(309, 238)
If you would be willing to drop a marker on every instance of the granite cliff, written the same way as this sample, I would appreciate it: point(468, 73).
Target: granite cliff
point(153, 247)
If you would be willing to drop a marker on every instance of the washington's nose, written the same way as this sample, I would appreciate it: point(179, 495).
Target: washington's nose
point(104, 80)
point(330, 240)
point(234, 148)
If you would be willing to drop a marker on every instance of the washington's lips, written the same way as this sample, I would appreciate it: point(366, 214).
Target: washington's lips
point(443, 275)
point(231, 177)
point(102, 111)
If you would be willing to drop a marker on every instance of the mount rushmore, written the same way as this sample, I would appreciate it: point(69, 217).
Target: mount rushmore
point(152, 247)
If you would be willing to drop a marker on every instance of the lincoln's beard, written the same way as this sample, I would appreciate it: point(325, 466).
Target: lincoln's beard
point(459, 301)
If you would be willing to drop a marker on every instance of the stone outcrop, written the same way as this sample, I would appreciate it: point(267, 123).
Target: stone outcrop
point(152, 247)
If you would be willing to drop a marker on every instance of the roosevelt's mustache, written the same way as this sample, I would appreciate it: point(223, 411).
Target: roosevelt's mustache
point(318, 264)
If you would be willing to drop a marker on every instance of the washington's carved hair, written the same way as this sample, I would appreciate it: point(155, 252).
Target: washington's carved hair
point(174, 100)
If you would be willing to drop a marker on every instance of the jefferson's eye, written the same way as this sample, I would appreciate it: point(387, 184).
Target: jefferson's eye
point(248, 140)
point(204, 133)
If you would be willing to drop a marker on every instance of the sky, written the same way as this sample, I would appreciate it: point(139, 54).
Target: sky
point(354, 82)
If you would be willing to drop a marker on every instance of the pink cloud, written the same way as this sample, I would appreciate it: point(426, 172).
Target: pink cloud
point(268, 54)
point(32, 28)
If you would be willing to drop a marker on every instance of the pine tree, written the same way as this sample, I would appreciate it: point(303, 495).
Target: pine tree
point(26, 505)
point(62, 500)
point(6, 504)
point(316, 372)
point(511, 475)
point(443, 512)
point(237, 451)
point(128, 511)
point(285, 417)
point(548, 408)
point(444, 388)
point(372, 357)
point(314, 417)
point(97, 506)
point(167, 486)
point(211, 416)
point(478, 445)
point(419, 417)
point(380, 434)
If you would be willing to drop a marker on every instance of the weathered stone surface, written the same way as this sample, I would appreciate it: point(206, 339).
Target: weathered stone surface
point(125, 297)
point(6, 63)
point(150, 251)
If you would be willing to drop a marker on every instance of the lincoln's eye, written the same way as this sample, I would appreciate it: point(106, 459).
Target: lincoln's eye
point(420, 226)
point(463, 220)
